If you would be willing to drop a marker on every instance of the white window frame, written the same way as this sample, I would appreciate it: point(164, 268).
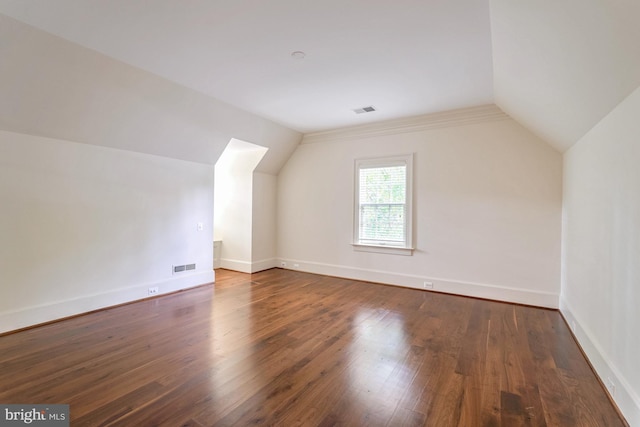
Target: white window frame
point(407, 248)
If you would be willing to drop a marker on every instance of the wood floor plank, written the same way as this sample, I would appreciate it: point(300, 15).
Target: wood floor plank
point(295, 349)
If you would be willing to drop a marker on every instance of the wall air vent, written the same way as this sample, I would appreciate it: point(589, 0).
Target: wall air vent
point(181, 268)
point(368, 109)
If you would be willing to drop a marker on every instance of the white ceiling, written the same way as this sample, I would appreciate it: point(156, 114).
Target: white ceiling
point(557, 67)
point(404, 58)
point(561, 66)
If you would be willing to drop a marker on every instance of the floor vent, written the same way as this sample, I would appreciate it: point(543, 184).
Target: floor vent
point(181, 268)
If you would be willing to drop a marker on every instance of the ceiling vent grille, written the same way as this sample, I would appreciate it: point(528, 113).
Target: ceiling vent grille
point(369, 109)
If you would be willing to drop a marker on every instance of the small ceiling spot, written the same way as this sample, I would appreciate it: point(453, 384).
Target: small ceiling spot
point(368, 109)
point(298, 54)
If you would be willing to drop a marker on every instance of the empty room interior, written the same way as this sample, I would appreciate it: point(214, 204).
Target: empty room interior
point(321, 213)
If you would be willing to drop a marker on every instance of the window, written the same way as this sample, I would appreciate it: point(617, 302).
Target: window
point(382, 214)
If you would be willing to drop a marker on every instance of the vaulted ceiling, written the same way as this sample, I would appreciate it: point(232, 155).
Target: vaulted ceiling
point(557, 67)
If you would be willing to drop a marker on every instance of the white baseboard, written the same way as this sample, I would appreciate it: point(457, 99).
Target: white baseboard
point(478, 290)
point(29, 316)
point(264, 264)
point(247, 266)
point(624, 396)
point(235, 265)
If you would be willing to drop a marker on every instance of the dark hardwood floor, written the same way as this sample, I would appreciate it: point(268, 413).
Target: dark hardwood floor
point(288, 348)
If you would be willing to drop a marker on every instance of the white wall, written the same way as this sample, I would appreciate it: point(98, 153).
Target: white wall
point(264, 222)
point(601, 249)
point(245, 219)
point(84, 227)
point(51, 87)
point(560, 67)
point(124, 118)
point(487, 207)
point(234, 198)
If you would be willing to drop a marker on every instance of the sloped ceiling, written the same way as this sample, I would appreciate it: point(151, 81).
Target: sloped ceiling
point(407, 58)
point(557, 67)
point(561, 66)
point(54, 88)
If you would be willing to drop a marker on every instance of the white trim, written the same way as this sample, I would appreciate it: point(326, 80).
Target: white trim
point(29, 316)
point(445, 285)
point(264, 264)
point(625, 398)
point(235, 265)
point(381, 249)
point(463, 116)
point(405, 160)
point(248, 266)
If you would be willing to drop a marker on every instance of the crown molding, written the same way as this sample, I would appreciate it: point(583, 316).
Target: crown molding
point(464, 116)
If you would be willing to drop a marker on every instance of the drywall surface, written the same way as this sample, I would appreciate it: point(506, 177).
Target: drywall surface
point(54, 88)
point(264, 222)
point(601, 250)
point(56, 94)
point(487, 207)
point(84, 227)
point(560, 67)
point(233, 213)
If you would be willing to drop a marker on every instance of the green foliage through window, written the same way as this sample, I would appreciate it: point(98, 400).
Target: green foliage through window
point(382, 205)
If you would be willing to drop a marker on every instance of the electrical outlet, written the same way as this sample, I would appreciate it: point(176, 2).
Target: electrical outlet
point(611, 386)
point(283, 264)
point(427, 285)
point(153, 291)
point(200, 226)
point(296, 265)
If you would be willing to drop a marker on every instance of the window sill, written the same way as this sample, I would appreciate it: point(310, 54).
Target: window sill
point(383, 249)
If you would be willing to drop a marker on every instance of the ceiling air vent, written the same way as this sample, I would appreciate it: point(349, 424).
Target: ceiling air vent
point(368, 109)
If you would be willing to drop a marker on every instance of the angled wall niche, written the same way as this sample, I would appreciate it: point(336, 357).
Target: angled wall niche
point(233, 203)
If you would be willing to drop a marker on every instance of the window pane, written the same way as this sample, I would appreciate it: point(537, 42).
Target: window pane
point(382, 222)
point(383, 185)
point(382, 205)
